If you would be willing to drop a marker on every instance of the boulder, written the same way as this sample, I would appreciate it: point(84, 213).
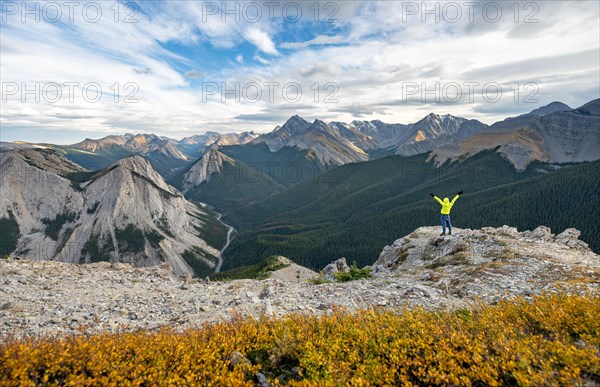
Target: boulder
point(235, 358)
point(261, 380)
point(508, 231)
point(186, 277)
point(568, 234)
point(542, 233)
point(338, 266)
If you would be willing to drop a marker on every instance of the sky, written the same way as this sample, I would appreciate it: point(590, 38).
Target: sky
point(76, 69)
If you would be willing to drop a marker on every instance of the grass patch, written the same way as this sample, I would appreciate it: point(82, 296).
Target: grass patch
point(320, 279)
point(258, 271)
point(551, 340)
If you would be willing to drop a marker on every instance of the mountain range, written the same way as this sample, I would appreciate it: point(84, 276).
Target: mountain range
point(54, 209)
point(538, 135)
point(308, 190)
point(552, 134)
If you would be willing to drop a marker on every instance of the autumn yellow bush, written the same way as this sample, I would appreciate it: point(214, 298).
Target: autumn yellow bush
point(551, 340)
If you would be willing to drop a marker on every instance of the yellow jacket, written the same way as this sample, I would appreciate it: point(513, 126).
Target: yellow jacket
point(446, 204)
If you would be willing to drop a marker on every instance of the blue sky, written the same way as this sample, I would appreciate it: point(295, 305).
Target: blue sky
point(395, 61)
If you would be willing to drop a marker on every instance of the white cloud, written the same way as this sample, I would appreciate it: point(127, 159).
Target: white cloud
point(261, 40)
point(369, 54)
point(319, 40)
point(262, 60)
point(194, 74)
point(320, 69)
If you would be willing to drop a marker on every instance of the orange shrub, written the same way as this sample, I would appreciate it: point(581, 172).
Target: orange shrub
point(553, 340)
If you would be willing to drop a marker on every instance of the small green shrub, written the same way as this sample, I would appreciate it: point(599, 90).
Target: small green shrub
point(354, 274)
point(318, 280)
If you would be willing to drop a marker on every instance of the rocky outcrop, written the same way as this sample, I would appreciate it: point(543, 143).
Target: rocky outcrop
point(338, 266)
point(291, 272)
point(421, 269)
point(425, 248)
point(211, 162)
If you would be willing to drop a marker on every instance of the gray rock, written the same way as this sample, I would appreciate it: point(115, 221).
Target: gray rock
point(570, 233)
point(420, 269)
point(261, 380)
point(338, 266)
point(508, 231)
point(235, 359)
point(187, 277)
point(543, 233)
point(122, 266)
point(570, 237)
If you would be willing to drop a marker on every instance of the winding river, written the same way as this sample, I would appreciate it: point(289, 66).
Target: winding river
point(229, 232)
point(229, 238)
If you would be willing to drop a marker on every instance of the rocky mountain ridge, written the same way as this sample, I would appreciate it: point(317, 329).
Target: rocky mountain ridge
point(211, 162)
point(552, 107)
point(330, 146)
point(341, 143)
point(148, 143)
point(471, 267)
point(549, 134)
point(553, 133)
point(123, 213)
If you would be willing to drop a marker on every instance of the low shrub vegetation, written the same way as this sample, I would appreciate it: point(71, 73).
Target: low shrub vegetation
point(320, 279)
point(259, 271)
point(353, 274)
point(551, 340)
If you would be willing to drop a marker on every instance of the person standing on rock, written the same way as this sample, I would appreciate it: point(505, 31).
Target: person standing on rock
point(446, 207)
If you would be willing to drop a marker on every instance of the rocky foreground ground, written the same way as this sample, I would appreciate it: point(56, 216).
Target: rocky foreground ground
point(472, 266)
